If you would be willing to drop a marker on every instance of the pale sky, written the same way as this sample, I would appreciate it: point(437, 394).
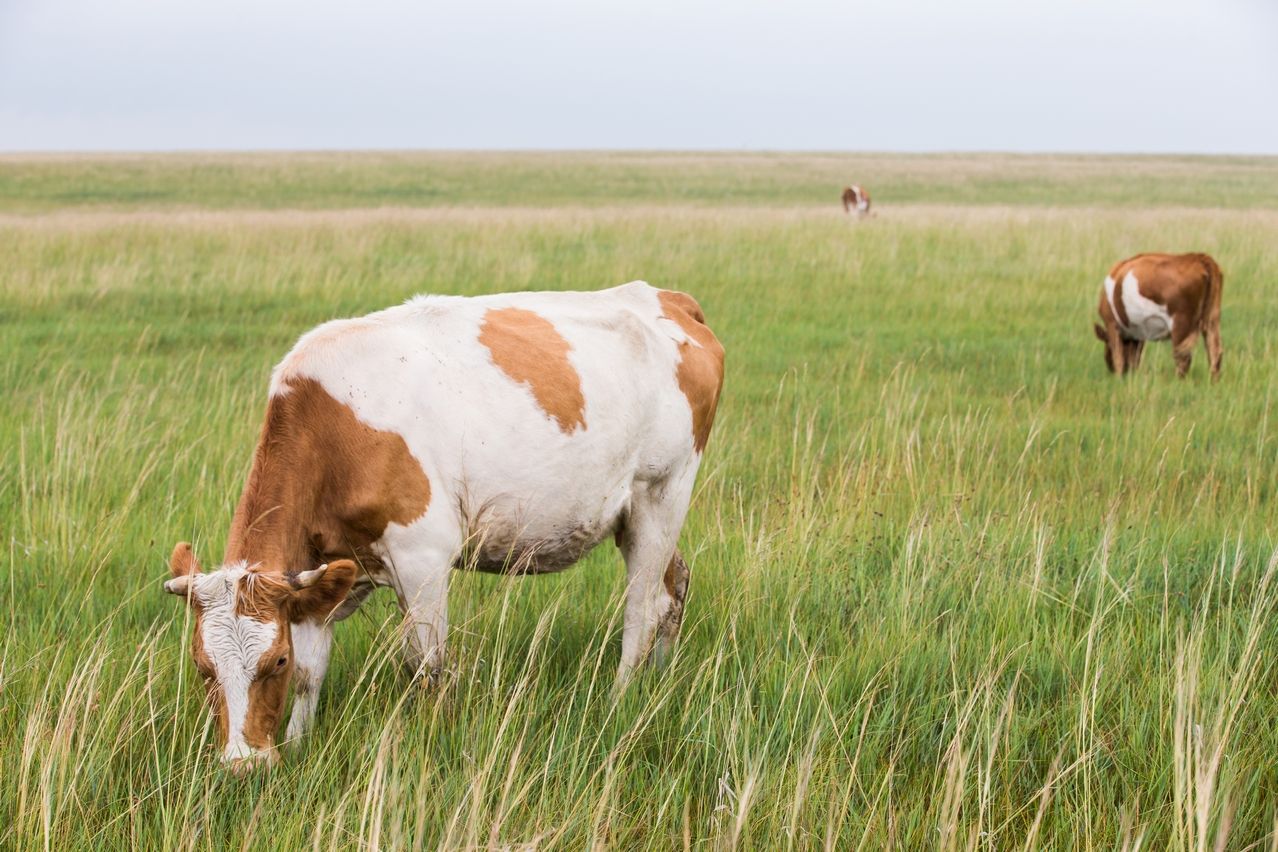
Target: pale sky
point(862, 75)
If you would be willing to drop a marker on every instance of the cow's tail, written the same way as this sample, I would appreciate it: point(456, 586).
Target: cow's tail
point(1215, 283)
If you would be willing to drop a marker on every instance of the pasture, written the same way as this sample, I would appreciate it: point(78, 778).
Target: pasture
point(953, 585)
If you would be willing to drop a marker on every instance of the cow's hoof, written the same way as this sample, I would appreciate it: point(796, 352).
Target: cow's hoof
point(430, 680)
point(242, 767)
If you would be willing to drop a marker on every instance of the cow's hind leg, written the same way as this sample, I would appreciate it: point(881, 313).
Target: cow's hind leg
point(1183, 351)
point(1211, 336)
point(656, 575)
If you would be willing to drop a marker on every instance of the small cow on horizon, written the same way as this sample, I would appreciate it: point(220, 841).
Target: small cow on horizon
point(1156, 297)
point(856, 198)
point(508, 434)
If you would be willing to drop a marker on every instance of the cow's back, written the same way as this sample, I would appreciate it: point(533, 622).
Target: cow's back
point(1168, 275)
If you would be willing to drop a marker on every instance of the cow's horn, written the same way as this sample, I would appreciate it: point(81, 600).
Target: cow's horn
point(178, 585)
point(306, 579)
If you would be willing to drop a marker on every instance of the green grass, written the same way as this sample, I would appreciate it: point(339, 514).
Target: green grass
point(953, 585)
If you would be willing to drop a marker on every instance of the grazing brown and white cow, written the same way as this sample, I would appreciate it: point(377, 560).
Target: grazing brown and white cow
point(1156, 297)
point(856, 199)
point(508, 433)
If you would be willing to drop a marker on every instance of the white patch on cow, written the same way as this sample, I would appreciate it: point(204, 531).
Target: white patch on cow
point(1146, 319)
point(860, 202)
point(235, 645)
point(1109, 297)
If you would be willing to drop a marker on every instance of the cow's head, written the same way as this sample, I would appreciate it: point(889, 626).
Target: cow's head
point(1131, 351)
point(1104, 338)
point(243, 644)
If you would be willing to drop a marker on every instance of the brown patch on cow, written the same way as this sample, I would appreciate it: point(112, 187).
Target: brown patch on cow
point(676, 577)
point(526, 347)
point(700, 370)
point(676, 582)
point(324, 486)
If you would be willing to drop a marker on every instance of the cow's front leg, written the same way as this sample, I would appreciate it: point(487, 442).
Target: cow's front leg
point(423, 598)
point(419, 559)
point(312, 642)
point(1133, 351)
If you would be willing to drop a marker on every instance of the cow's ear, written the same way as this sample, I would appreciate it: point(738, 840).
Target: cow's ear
point(183, 566)
point(318, 591)
point(1100, 332)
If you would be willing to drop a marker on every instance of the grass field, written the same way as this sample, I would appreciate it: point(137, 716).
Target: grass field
point(953, 585)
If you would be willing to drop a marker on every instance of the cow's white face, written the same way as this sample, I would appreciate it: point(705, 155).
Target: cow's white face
point(236, 654)
point(242, 642)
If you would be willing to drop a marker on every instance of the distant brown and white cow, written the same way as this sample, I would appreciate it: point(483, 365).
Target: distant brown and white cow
point(508, 433)
point(856, 199)
point(1156, 297)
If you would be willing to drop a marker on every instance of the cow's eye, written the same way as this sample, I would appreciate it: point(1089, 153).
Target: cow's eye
point(281, 662)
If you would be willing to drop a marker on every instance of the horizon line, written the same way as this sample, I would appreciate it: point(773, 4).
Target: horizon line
point(938, 152)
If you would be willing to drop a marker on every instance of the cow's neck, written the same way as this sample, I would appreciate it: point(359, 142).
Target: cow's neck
point(268, 527)
point(274, 520)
